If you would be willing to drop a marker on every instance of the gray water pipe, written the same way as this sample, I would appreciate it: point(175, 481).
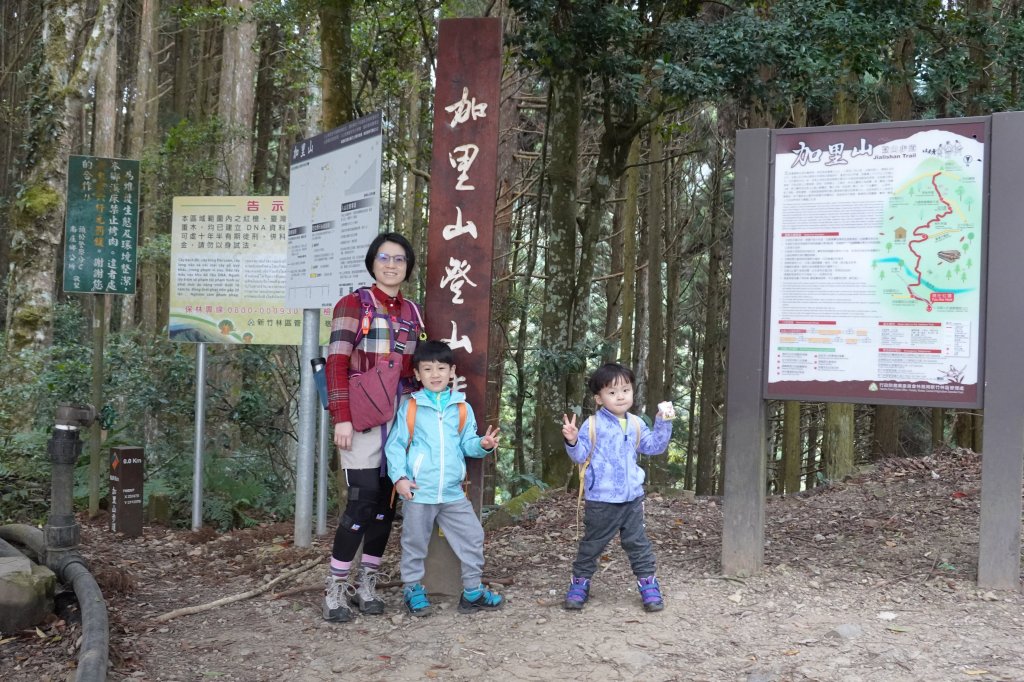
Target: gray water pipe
point(71, 570)
point(93, 656)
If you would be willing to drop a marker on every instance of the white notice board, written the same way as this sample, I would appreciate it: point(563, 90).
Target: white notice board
point(334, 211)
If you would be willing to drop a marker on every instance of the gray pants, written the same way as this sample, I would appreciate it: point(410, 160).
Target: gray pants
point(602, 521)
point(461, 529)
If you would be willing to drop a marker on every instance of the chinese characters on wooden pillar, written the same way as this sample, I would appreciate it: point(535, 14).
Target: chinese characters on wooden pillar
point(463, 189)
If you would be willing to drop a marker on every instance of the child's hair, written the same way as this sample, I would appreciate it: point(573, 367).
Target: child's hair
point(608, 374)
point(433, 351)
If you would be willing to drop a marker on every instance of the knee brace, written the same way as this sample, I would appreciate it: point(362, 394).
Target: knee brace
point(360, 510)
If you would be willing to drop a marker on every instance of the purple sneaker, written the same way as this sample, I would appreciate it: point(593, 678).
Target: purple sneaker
point(579, 592)
point(650, 593)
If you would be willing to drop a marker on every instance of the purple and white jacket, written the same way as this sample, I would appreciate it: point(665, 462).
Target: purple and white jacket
point(613, 474)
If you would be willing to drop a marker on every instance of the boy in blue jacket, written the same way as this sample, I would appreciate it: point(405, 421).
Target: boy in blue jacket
point(608, 443)
point(427, 467)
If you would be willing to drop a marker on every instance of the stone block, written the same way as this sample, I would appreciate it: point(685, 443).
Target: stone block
point(513, 511)
point(26, 598)
point(159, 509)
point(14, 564)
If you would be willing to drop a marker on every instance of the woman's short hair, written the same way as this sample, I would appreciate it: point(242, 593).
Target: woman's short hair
point(394, 237)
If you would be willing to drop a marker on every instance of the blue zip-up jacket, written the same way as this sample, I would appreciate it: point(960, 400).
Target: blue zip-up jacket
point(436, 460)
point(613, 474)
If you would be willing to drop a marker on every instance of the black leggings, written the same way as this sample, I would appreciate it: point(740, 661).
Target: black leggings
point(368, 516)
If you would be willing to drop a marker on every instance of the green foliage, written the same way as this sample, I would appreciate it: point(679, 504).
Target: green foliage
point(554, 364)
point(239, 497)
point(150, 400)
point(34, 382)
point(24, 477)
point(185, 164)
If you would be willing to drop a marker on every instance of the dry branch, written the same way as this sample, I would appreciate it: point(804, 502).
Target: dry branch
point(189, 610)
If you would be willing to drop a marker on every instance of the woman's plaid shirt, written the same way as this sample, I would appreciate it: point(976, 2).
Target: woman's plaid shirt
point(343, 359)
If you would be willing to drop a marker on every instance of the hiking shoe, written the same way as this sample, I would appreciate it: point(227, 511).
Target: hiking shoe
point(335, 610)
point(479, 598)
point(416, 600)
point(366, 597)
point(578, 594)
point(650, 593)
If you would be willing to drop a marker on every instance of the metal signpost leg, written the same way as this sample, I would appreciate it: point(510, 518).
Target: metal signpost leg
point(323, 466)
point(197, 473)
point(308, 406)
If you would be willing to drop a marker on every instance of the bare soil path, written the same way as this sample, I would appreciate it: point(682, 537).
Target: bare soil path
point(871, 579)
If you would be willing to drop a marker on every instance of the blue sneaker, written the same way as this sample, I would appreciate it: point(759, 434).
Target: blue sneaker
point(650, 593)
point(479, 598)
point(416, 600)
point(578, 594)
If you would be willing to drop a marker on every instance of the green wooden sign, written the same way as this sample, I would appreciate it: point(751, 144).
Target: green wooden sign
point(101, 229)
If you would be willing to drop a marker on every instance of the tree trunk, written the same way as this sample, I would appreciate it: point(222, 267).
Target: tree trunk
point(707, 451)
point(236, 98)
point(978, 16)
point(408, 137)
point(655, 290)
point(838, 448)
point(839, 455)
point(336, 62)
point(792, 453)
point(963, 429)
point(642, 340)
point(184, 85)
point(37, 220)
point(143, 129)
point(613, 150)
point(813, 424)
point(938, 427)
point(104, 145)
point(419, 208)
point(629, 209)
point(885, 441)
point(691, 417)
point(20, 29)
point(560, 268)
point(502, 292)
point(673, 283)
point(901, 79)
point(524, 310)
point(267, 105)
point(613, 284)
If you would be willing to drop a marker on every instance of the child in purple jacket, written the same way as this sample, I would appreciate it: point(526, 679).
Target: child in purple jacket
point(613, 482)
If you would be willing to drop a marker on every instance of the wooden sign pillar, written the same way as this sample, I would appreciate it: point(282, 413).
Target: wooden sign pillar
point(463, 191)
point(126, 491)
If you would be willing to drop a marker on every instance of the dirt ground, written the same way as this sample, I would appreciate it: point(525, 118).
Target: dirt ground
point(870, 579)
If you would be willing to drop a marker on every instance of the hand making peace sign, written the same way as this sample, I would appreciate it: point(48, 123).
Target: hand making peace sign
point(489, 441)
point(569, 429)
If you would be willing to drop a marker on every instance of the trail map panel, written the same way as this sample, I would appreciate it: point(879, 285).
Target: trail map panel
point(334, 212)
point(876, 264)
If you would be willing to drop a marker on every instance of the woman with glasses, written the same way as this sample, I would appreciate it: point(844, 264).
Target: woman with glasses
point(366, 326)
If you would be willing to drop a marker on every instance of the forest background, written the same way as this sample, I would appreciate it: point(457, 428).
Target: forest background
point(613, 220)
